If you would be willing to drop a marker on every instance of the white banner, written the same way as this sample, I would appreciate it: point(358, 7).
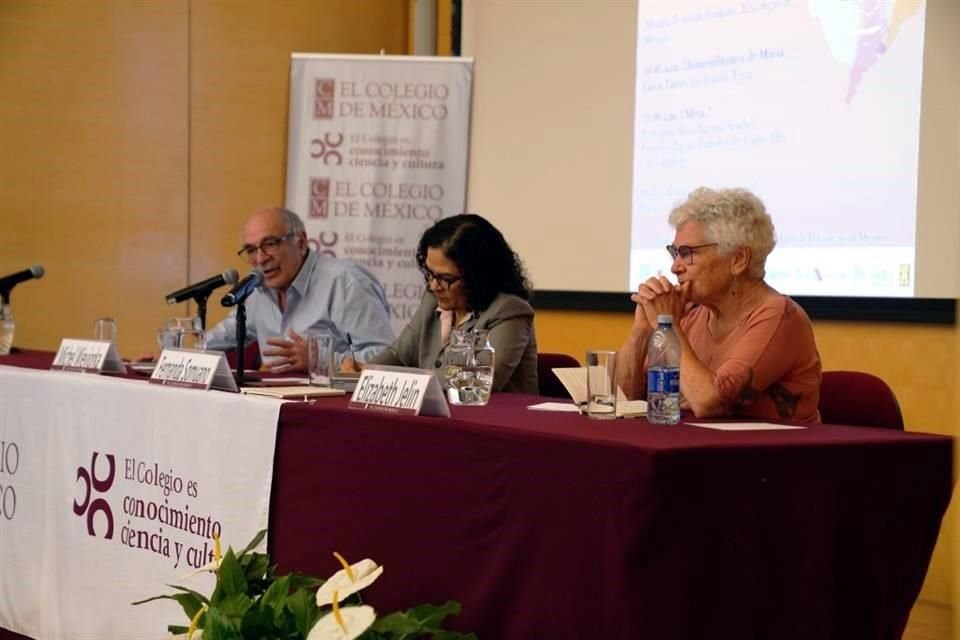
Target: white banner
point(378, 153)
point(110, 489)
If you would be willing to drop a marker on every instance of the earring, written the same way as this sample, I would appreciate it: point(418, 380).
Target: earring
point(733, 287)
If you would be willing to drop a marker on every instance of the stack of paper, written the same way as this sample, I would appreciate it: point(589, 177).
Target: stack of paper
point(574, 380)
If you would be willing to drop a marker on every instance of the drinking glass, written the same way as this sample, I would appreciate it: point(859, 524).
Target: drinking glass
point(320, 358)
point(602, 384)
point(105, 329)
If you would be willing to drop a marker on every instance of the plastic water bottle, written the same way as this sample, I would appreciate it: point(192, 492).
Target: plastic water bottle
point(663, 374)
point(7, 328)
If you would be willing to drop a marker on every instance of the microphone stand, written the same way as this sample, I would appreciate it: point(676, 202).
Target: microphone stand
point(201, 300)
point(241, 339)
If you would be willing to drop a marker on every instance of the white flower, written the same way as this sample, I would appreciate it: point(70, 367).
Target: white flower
point(343, 624)
point(214, 564)
point(349, 580)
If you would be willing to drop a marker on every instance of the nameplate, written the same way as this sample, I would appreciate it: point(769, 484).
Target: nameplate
point(193, 369)
point(399, 390)
point(86, 356)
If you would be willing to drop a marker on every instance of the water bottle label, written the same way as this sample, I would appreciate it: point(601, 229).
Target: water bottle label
point(663, 381)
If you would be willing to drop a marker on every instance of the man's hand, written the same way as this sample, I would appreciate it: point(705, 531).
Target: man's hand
point(286, 356)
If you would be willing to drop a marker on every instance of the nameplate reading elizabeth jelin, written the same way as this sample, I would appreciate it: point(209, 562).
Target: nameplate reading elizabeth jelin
point(399, 390)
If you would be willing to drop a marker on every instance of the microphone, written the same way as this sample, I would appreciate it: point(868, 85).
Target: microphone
point(203, 287)
point(242, 290)
point(8, 282)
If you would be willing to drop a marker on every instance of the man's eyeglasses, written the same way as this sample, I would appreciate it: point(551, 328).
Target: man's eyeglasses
point(685, 252)
point(443, 280)
point(269, 245)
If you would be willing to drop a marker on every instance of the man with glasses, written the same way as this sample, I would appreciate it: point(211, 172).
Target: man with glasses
point(304, 291)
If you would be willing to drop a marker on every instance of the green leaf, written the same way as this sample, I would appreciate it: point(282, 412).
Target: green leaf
point(188, 601)
point(196, 594)
point(397, 623)
point(276, 594)
point(218, 627)
point(234, 607)
point(256, 566)
point(259, 622)
point(176, 629)
point(432, 616)
point(300, 581)
point(257, 539)
point(443, 634)
point(230, 577)
point(303, 605)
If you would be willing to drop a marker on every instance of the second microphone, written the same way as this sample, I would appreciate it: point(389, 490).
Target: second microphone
point(204, 287)
point(242, 290)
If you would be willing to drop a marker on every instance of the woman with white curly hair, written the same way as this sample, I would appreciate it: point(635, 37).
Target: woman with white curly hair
point(746, 350)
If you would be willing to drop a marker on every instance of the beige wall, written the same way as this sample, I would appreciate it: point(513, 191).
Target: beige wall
point(138, 135)
point(94, 173)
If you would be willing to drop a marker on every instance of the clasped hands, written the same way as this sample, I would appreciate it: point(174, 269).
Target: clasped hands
point(657, 296)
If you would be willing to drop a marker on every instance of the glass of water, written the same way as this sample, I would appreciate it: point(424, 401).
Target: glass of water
point(105, 329)
point(602, 384)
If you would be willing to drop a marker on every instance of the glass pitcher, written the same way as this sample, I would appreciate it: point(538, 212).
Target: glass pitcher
point(468, 367)
point(7, 328)
point(172, 334)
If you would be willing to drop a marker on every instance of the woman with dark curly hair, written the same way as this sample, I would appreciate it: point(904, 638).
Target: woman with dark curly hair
point(474, 281)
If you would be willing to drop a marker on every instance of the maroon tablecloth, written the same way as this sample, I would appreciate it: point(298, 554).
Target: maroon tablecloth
point(547, 525)
point(555, 526)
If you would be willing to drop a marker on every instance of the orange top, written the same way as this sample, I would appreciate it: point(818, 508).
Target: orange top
point(767, 367)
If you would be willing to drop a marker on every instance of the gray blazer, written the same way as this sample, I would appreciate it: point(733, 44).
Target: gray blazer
point(509, 319)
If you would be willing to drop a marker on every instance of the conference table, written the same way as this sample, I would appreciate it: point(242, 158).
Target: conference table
point(553, 525)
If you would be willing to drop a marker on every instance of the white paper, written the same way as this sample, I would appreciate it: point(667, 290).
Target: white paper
point(745, 426)
point(567, 407)
point(293, 392)
point(574, 380)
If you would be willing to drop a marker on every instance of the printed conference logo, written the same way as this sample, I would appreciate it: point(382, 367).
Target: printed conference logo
point(419, 201)
point(154, 509)
point(380, 100)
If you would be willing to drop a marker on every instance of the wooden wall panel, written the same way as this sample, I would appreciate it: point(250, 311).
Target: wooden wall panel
point(93, 100)
point(240, 86)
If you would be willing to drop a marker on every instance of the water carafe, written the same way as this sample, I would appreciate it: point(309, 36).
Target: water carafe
point(468, 367)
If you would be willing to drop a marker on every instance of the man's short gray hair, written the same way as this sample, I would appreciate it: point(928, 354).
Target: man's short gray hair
point(291, 221)
point(732, 218)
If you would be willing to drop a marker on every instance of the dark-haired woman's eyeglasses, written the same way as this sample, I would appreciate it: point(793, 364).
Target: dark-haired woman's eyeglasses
point(444, 281)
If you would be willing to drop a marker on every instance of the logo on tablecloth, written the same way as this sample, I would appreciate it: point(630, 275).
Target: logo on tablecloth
point(323, 102)
point(91, 506)
point(156, 509)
